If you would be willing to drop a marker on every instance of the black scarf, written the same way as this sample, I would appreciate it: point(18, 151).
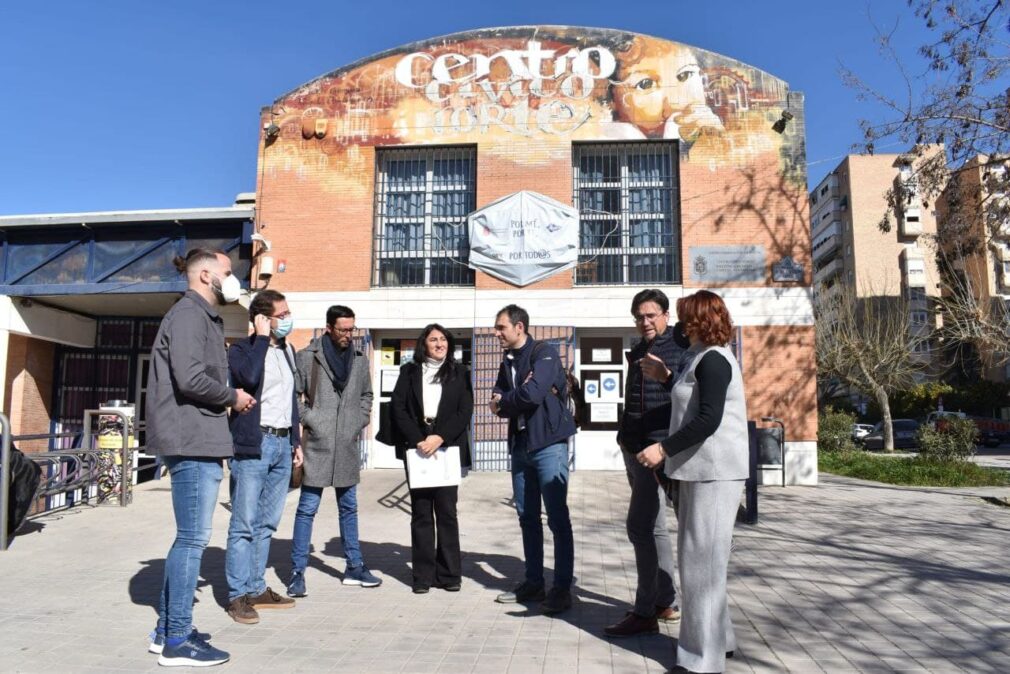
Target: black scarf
point(339, 361)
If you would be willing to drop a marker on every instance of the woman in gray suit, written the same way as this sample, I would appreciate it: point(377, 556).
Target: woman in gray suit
point(706, 453)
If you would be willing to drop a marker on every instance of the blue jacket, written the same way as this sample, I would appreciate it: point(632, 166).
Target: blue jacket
point(246, 360)
point(531, 402)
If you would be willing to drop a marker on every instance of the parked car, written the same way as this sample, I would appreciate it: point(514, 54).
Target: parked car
point(860, 431)
point(904, 435)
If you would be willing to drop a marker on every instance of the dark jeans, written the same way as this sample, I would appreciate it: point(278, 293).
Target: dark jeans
point(650, 538)
point(347, 510)
point(543, 473)
point(434, 536)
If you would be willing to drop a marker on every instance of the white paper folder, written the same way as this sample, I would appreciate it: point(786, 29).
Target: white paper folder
point(441, 469)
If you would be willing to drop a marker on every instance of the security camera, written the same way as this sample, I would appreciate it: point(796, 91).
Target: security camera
point(267, 245)
point(271, 130)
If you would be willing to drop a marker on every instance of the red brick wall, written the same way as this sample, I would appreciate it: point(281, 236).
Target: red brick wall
point(29, 388)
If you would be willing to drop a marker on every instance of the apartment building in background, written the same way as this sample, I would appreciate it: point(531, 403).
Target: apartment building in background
point(975, 205)
point(851, 251)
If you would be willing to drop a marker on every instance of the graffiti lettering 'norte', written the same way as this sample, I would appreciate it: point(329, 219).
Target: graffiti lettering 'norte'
point(474, 103)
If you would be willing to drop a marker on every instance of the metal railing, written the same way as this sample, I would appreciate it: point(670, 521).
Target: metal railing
point(68, 470)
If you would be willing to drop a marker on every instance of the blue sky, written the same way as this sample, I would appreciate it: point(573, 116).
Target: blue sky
point(118, 104)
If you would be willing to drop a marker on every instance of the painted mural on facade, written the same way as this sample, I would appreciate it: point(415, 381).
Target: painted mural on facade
point(553, 85)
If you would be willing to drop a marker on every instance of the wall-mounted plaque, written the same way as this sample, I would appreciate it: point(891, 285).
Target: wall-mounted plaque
point(726, 264)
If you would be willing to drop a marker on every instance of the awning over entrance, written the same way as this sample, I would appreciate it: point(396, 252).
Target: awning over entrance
point(120, 252)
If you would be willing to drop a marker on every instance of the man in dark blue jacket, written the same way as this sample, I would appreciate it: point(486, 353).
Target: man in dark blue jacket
point(530, 392)
point(262, 365)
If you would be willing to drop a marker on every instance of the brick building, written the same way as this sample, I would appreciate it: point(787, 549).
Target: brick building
point(686, 170)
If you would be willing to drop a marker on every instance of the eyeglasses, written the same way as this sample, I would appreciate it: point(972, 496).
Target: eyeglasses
point(281, 317)
point(341, 331)
point(647, 318)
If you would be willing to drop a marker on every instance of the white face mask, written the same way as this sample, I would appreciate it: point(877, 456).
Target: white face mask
point(229, 289)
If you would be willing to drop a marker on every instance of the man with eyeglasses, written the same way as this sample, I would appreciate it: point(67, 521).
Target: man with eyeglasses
point(652, 368)
point(335, 390)
point(263, 365)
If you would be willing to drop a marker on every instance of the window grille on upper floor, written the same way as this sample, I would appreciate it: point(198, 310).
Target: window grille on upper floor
point(422, 198)
point(629, 213)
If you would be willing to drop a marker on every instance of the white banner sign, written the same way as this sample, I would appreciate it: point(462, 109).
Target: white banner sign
point(524, 237)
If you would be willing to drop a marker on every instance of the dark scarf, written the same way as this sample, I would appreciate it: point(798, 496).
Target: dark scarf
point(339, 361)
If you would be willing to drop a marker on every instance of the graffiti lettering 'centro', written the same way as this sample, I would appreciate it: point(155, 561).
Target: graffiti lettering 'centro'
point(531, 72)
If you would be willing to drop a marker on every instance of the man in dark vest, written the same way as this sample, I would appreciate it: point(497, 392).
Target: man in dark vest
point(652, 369)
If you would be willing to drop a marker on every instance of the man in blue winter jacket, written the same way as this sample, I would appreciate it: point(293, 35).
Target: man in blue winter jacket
point(265, 441)
point(530, 392)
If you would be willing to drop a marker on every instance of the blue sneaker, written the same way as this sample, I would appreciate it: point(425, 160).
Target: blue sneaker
point(360, 575)
point(158, 640)
point(193, 652)
point(296, 588)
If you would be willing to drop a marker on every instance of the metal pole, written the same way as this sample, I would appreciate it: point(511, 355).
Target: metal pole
point(126, 472)
point(5, 479)
point(751, 487)
point(782, 450)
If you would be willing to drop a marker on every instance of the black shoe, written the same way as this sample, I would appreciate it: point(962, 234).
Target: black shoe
point(421, 589)
point(524, 593)
point(449, 587)
point(558, 600)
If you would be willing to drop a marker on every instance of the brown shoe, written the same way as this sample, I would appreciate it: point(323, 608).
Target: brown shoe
point(270, 599)
point(632, 625)
point(242, 612)
point(668, 614)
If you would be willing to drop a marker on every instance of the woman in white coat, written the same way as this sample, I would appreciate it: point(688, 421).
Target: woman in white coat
point(706, 453)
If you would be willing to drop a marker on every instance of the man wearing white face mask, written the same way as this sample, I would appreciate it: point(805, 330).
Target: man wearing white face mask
point(266, 445)
point(187, 400)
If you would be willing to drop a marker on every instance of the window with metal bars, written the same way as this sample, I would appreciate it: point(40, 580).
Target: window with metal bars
point(629, 213)
point(422, 198)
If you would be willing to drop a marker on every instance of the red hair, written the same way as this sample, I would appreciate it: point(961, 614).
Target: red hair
point(705, 315)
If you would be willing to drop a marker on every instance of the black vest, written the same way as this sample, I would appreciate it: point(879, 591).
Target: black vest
point(646, 416)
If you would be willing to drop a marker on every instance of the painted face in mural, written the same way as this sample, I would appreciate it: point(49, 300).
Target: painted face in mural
point(661, 92)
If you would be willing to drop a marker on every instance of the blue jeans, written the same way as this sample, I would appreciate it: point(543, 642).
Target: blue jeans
point(308, 504)
point(543, 473)
point(195, 483)
point(258, 488)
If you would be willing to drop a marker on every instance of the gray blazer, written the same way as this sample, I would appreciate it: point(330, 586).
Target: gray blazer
point(187, 385)
point(331, 427)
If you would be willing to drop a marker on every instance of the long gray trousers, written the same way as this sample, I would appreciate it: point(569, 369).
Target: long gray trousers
point(706, 516)
point(651, 540)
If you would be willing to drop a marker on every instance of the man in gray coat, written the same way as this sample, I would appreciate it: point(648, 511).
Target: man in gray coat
point(335, 402)
point(187, 426)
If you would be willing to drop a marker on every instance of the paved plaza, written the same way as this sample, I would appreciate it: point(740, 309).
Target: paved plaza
point(848, 576)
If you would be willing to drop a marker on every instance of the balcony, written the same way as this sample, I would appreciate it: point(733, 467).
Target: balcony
point(825, 246)
point(913, 268)
point(830, 270)
point(910, 220)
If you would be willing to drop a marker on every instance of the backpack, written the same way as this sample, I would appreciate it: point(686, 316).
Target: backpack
point(569, 393)
point(25, 475)
point(576, 398)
